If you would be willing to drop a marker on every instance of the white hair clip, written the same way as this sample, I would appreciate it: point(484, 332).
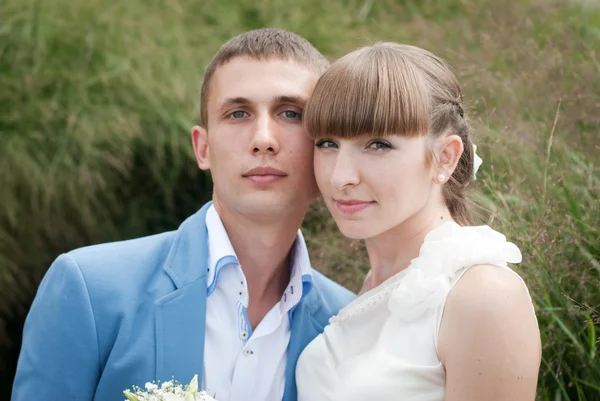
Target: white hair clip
point(477, 162)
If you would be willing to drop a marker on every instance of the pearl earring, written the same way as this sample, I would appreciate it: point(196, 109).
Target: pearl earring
point(441, 178)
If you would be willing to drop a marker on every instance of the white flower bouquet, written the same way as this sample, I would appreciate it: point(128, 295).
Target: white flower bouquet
point(168, 391)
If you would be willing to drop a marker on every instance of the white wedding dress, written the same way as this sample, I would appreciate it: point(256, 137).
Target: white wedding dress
point(383, 345)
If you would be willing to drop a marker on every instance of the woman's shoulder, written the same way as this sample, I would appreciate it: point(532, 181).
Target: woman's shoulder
point(489, 286)
point(489, 331)
point(478, 268)
point(489, 302)
point(446, 254)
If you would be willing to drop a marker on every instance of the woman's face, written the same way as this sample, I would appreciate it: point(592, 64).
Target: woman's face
point(371, 185)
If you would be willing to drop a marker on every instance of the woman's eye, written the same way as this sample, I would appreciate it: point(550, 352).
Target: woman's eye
point(291, 114)
point(379, 145)
point(325, 144)
point(238, 114)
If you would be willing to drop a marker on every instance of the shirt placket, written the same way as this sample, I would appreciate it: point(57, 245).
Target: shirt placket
point(246, 364)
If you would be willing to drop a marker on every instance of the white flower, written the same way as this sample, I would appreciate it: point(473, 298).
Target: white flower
point(203, 396)
point(168, 391)
point(192, 388)
point(477, 162)
point(130, 396)
point(171, 397)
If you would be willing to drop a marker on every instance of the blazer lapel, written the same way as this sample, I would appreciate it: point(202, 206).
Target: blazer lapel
point(304, 329)
point(180, 326)
point(181, 315)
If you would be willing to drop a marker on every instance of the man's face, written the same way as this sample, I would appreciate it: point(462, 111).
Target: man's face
point(256, 148)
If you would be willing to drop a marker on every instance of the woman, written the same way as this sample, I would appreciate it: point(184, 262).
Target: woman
point(441, 316)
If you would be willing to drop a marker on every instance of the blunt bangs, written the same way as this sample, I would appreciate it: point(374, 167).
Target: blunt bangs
point(375, 91)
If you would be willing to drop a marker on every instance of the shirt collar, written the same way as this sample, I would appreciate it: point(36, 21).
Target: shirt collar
point(221, 252)
point(300, 276)
point(219, 245)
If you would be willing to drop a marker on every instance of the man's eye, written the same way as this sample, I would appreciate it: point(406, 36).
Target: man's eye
point(291, 114)
point(325, 144)
point(238, 114)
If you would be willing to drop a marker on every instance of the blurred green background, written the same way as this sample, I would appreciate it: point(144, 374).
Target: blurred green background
point(97, 98)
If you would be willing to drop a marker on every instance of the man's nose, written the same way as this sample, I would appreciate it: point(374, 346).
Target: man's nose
point(265, 139)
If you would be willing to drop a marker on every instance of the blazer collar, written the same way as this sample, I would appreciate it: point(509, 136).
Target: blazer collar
point(180, 316)
point(187, 260)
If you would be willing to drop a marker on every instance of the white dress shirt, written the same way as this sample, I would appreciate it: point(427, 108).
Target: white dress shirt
point(241, 364)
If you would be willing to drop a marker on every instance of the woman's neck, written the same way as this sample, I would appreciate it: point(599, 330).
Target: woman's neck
point(392, 251)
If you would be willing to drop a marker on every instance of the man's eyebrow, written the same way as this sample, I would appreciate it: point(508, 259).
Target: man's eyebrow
point(243, 101)
point(291, 99)
point(232, 101)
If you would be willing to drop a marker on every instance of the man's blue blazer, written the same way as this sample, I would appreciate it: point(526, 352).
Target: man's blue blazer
point(110, 316)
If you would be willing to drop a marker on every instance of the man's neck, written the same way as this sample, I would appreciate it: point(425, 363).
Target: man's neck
point(263, 249)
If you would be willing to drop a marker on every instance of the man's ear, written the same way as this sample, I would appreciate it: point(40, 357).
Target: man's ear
point(200, 142)
point(449, 149)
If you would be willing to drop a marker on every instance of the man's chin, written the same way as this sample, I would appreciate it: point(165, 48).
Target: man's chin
point(273, 206)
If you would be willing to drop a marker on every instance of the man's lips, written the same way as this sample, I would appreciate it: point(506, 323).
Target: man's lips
point(352, 206)
point(264, 175)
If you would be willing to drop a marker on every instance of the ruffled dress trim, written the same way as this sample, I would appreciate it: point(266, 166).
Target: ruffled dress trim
point(425, 283)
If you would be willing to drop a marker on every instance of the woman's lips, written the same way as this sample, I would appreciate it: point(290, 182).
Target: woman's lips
point(352, 206)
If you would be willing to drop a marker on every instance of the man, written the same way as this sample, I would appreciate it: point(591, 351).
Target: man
point(230, 295)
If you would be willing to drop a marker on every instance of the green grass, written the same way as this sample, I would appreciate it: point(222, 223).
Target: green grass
point(97, 99)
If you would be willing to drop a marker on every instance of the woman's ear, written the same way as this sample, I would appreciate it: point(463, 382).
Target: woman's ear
point(448, 150)
point(200, 142)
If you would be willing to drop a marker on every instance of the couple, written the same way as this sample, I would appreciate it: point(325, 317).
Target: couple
point(231, 295)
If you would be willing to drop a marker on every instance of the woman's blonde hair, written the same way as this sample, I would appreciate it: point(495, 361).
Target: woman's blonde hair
point(393, 89)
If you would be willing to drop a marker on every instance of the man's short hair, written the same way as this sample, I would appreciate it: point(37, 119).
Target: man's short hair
point(262, 44)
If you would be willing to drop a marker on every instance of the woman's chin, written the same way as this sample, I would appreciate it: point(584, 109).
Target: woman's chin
point(355, 230)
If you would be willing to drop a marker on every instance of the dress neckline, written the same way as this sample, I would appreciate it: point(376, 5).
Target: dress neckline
point(445, 250)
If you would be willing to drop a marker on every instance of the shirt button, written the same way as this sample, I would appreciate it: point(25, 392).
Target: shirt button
point(248, 352)
point(244, 335)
